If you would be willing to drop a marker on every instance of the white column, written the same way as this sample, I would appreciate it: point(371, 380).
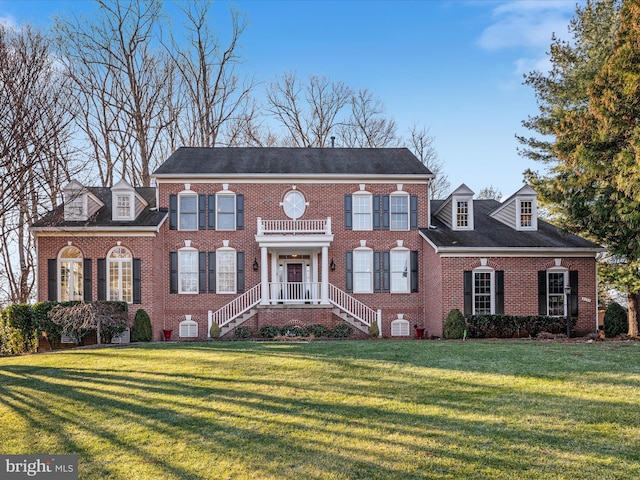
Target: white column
point(325, 276)
point(264, 275)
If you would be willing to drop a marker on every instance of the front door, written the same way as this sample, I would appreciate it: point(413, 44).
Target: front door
point(294, 280)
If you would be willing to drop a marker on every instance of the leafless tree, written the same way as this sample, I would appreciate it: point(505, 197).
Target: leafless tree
point(308, 112)
point(489, 193)
point(420, 142)
point(120, 79)
point(35, 152)
point(212, 93)
point(367, 127)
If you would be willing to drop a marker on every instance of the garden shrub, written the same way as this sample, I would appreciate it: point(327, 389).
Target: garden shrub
point(454, 325)
point(18, 330)
point(616, 321)
point(214, 331)
point(141, 330)
point(318, 330)
point(373, 330)
point(268, 331)
point(294, 331)
point(242, 332)
point(509, 326)
point(342, 330)
point(76, 319)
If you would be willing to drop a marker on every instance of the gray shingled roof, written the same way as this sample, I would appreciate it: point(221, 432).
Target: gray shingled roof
point(281, 160)
point(490, 233)
point(102, 218)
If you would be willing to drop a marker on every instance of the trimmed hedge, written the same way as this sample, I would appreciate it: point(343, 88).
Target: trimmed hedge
point(616, 321)
point(18, 333)
point(141, 331)
point(510, 326)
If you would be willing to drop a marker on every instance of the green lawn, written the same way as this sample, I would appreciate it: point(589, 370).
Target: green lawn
point(331, 410)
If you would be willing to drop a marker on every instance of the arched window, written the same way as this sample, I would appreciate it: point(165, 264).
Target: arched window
point(70, 275)
point(120, 271)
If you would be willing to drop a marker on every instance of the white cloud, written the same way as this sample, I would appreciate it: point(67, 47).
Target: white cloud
point(527, 24)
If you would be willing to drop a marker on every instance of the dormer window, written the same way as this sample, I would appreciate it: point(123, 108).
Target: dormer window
point(526, 218)
point(123, 201)
point(462, 214)
point(123, 206)
point(75, 202)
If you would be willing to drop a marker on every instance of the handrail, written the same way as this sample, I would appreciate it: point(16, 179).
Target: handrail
point(322, 226)
point(294, 292)
point(352, 306)
point(237, 306)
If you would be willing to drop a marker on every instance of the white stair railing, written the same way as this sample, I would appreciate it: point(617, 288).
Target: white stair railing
point(353, 306)
point(236, 307)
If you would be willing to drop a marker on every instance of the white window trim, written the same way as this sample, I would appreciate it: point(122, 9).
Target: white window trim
point(400, 328)
point(405, 195)
point(180, 263)
point(181, 195)
point(226, 193)
point(132, 206)
point(71, 279)
point(454, 213)
point(534, 214)
point(368, 251)
point(369, 196)
point(407, 254)
point(564, 271)
point(234, 256)
point(119, 261)
point(492, 277)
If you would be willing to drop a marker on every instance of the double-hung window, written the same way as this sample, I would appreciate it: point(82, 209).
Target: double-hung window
point(188, 211)
point(225, 211)
point(188, 271)
point(123, 206)
point(399, 212)
point(363, 270)
point(226, 270)
point(362, 211)
point(462, 214)
point(120, 275)
point(556, 281)
point(400, 271)
point(483, 292)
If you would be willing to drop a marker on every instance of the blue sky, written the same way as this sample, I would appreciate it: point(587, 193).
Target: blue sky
point(453, 66)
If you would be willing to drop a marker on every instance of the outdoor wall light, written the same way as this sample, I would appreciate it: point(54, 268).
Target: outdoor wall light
point(333, 265)
point(255, 265)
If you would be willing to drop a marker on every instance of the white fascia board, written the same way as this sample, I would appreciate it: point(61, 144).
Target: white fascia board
point(97, 231)
point(428, 240)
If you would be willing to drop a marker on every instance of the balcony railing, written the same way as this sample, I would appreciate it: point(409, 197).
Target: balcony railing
point(294, 293)
point(293, 227)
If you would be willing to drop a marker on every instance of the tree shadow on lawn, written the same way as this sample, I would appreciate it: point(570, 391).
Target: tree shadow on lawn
point(264, 426)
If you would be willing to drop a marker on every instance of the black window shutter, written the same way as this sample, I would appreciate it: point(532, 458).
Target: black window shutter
point(348, 264)
point(414, 271)
point(211, 213)
point(202, 272)
point(468, 292)
point(348, 212)
point(240, 212)
point(542, 292)
point(376, 212)
point(137, 280)
point(386, 271)
point(173, 212)
point(173, 272)
point(102, 279)
point(499, 307)
point(573, 297)
point(202, 212)
point(212, 272)
point(86, 279)
point(413, 212)
point(52, 280)
point(377, 272)
point(240, 272)
point(385, 212)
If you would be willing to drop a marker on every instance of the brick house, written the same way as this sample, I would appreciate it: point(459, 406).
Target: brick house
point(280, 236)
